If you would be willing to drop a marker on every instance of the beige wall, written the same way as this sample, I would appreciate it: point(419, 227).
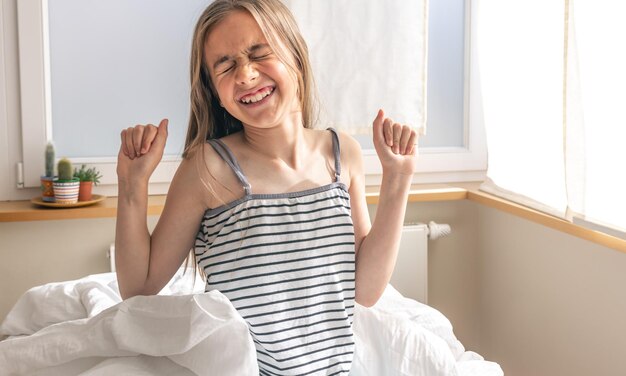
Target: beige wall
point(538, 301)
point(453, 280)
point(79, 248)
point(551, 304)
point(34, 253)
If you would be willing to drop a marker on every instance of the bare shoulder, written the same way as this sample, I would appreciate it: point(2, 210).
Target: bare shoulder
point(349, 144)
point(351, 154)
point(213, 178)
point(186, 185)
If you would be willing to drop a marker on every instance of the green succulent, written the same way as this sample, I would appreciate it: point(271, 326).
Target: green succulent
point(49, 160)
point(88, 174)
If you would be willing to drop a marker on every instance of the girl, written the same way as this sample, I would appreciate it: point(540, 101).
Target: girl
point(274, 210)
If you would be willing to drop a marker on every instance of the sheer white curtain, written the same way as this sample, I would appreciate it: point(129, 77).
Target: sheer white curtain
point(519, 50)
point(553, 79)
point(596, 123)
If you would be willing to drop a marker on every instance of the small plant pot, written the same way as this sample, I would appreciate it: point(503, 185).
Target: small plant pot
point(47, 191)
point(84, 193)
point(66, 191)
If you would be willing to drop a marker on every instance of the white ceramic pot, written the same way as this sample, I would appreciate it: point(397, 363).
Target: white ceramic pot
point(66, 191)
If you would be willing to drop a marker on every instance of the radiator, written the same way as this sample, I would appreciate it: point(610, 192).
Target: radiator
point(111, 256)
point(410, 276)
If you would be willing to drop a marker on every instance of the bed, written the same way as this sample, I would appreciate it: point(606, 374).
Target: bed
point(82, 327)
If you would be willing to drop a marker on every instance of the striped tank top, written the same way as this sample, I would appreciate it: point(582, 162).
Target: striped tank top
point(286, 262)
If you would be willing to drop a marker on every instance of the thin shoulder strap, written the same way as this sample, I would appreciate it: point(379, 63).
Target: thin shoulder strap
point(230, 159)
point(337, 153)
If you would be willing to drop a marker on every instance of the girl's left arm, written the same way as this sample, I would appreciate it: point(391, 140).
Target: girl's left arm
point(376, 245)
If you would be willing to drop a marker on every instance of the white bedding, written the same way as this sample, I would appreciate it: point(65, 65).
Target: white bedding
point(83, 328)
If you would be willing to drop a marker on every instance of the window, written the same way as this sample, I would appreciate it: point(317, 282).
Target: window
point(459, 157)
point(552, 98)
point(520, 71)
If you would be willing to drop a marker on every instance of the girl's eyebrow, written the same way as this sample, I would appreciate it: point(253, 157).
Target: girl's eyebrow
point(256, 47)
point(249, 50)
point(221, 60)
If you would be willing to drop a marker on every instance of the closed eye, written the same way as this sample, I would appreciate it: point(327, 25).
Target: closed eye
point(261, 57)
point(226, 69)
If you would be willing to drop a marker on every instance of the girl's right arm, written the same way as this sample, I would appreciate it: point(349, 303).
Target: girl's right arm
point(144, 262)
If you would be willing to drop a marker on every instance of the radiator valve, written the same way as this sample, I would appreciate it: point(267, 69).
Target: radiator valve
point(436, 230)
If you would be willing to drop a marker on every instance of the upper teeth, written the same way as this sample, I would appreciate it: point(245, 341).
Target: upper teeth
point(257, 97)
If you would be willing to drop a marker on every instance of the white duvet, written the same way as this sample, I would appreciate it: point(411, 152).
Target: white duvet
point(83, 328)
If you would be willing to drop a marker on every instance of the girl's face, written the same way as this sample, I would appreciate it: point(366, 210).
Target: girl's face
point(253, 85)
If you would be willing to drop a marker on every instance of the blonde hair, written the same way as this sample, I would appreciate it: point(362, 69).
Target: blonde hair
point(207, 118)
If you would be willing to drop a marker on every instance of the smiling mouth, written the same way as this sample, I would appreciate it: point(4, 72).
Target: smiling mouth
point(257, 97)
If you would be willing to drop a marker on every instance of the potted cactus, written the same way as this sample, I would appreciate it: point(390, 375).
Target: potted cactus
point(47, 191)
point(88, 177)
point(65, 185)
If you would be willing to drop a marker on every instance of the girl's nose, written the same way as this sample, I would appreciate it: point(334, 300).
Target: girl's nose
point(246, 74)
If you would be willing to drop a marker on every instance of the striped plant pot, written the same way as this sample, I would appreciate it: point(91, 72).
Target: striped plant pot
point(66, 191)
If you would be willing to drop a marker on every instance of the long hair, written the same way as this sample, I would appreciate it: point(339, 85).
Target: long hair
point(207, 118)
